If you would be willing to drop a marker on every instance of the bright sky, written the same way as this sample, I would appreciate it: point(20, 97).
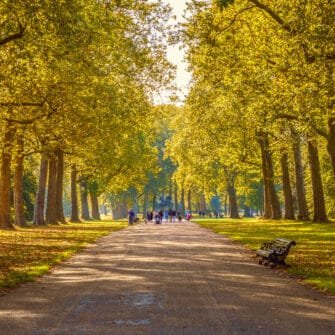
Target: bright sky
point(175, 55)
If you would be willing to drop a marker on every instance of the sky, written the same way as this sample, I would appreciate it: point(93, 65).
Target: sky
point(175, 55)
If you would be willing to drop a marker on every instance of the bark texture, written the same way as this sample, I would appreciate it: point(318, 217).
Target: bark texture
point(270, 195)
point(303, 214)
point(40, 193)
point(51, 210)
point(95, 206)
point(5, 177)
point(331, 143)
point(85, 214)
point(19, 215)
point(288, 197)
point(182, 200)
point(175, 195)
point(319, 206)
point(74, 195)
point(233, 202)
point(189, 201)
point(59, 186)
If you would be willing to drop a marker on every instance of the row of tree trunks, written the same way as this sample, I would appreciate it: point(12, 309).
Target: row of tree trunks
point(51, 174)
point(271, 202)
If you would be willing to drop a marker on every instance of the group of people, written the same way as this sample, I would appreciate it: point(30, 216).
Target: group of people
point(170, 216)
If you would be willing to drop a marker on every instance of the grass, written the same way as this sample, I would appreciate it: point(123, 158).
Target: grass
point(27, 253)
point(313, 258)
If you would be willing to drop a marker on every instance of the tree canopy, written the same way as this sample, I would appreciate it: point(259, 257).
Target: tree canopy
point(78, 81)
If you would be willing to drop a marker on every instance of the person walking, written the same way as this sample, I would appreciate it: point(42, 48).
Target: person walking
point(131, 217)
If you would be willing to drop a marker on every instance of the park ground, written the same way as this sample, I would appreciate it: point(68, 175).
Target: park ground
point(174, 278)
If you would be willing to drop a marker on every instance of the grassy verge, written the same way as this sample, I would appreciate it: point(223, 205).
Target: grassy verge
point(313, 258)
point(27, 253)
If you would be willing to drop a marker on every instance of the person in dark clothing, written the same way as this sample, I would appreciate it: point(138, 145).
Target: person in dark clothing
point(131, 217)
point(150, 216)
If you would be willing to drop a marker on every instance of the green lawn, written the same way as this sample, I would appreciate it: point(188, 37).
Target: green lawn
point(27, 253)
point(313, 258)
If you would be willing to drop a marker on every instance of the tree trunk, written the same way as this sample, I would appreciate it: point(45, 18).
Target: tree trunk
point(267, 211)
point(145, 203)
point(303, 214)
point(233, 202)
point(135, 200)
point(225, 205)
point(202, 204)
point(318, 195)
point(51, 210)
point(182, 200)
point(189, 201)
point(19, 215)
point(331, 143)
point(270, 193)
point(95, 206)
point(59, 186)
point(154, 201)
point(288, 197)
point(119, 207)
point(40, 194)
point(85, 214)
point(5, 177)
point(74, 195)
point(176, 206)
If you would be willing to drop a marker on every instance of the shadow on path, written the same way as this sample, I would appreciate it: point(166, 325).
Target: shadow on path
point(175, 279)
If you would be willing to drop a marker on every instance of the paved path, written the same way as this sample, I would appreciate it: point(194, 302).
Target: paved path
point(165, 279)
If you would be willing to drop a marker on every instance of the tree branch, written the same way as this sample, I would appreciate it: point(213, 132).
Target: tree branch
point(274, 15)
point(15, 36)
point(295, 118)
point(235, 17)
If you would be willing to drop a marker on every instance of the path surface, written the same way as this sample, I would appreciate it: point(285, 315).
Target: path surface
point(165, 279)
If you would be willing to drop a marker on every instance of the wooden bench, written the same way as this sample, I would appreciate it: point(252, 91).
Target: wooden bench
point(275, 252)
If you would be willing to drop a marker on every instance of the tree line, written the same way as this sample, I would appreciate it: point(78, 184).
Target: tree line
point(77, 79)
point(261, 105)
